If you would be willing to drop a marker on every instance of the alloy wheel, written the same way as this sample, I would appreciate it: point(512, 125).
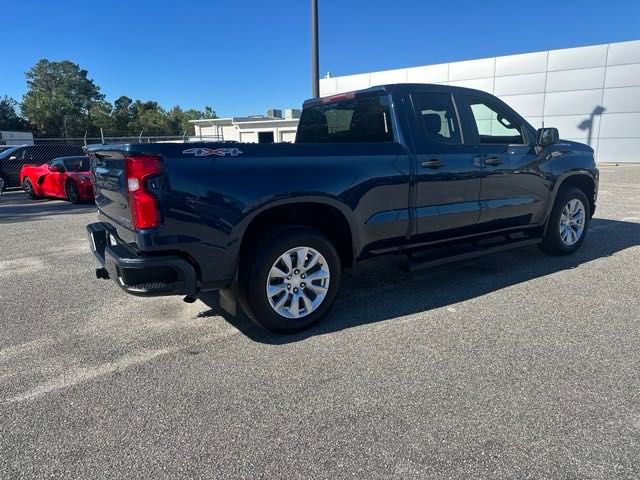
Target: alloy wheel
point(572, 221)
point(28, 188)
point(298, 282)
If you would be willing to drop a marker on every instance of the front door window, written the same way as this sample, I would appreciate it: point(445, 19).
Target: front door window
point(495, 126)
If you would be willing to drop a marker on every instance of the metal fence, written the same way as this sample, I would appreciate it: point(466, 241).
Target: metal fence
point(43, 150)
point(142, 138)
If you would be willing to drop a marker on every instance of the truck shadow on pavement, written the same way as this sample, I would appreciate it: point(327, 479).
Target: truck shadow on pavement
point(383, 291)
point(15, 207)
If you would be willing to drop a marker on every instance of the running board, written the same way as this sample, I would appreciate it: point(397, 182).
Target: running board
point(434, 258)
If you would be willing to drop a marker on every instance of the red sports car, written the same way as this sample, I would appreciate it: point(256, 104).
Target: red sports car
point(64, 177)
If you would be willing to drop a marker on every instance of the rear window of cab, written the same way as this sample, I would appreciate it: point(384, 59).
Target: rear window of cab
point(354, 120)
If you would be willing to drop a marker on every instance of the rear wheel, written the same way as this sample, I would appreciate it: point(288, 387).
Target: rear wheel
point(27, 186)
point(568, 222)
point(72, 192)
point(290, 282)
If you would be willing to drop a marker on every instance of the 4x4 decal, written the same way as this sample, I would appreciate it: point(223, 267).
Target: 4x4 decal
point(220, 152)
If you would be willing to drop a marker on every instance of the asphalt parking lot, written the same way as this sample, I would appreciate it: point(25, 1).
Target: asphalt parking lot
point(517, 365)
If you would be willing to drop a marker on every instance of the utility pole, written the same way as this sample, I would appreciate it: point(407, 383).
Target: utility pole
point(315, 65)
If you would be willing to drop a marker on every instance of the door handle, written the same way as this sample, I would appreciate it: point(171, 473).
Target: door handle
point(493, 161)
point(433, 163)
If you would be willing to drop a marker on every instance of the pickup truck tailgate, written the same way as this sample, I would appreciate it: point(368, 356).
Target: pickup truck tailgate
point(110, 183)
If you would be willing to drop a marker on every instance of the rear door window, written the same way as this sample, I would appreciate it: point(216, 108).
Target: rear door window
point(355, 120)
point(437, 115)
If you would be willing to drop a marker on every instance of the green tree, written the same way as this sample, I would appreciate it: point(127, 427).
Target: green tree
point(178, 120)
point(148, 117)
point(9, 118)
point(60, 98)
point(190, 114)
point(62, 101)
point(209, 112)
point(122, 115)
point(101, 117)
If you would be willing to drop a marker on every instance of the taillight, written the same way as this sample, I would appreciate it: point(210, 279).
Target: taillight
point(142, 202)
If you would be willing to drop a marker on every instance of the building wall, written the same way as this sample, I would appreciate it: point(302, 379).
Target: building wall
point(228, 132)
point(247, 132)
point(591, 94)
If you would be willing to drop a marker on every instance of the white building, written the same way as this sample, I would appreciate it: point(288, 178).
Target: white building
point(274, 127)
point(591, 94)
point(16, 138)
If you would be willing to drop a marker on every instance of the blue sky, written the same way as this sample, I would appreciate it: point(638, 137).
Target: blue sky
point(242, 57)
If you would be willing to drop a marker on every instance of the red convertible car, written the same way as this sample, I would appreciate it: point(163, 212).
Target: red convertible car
point(64, 177)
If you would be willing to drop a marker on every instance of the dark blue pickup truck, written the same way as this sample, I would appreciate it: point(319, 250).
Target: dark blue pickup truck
point(405, 168)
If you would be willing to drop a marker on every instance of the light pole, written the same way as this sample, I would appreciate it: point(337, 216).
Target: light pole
point(315, 66)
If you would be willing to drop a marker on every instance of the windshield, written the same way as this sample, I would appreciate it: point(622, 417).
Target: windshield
point(77, 164)
point(8, 152)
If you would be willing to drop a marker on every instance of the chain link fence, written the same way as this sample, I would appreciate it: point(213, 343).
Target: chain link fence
point(42, 150)
point(142, 138)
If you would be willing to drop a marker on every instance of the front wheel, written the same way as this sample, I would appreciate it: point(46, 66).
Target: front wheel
point(72, 192)
point(568, 222)
point(290, 282)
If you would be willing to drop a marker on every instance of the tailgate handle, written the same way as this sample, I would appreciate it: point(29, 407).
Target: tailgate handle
point(433, 163)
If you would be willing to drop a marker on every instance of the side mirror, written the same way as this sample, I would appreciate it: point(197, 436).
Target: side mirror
point(55, 168)
point(547, 136)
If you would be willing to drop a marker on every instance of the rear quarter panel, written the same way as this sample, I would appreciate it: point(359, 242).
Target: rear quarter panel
point(34, 173)
point(208, 202)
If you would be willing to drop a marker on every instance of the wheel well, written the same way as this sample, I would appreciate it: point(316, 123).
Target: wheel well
point(327, 220)
point(584, 183)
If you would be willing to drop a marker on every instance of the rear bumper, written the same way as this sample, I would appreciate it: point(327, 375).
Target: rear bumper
point(137, 274)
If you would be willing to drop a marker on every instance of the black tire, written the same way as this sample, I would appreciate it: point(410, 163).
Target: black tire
point(254, 275)
point(552, 242)
point(27, 186)
point(3, 184)
point(73, 195)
